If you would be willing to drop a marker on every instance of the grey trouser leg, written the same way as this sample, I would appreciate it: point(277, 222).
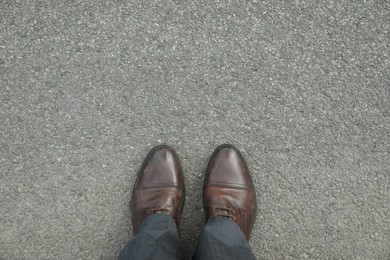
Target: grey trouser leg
point(157, 239)
point(222, 238)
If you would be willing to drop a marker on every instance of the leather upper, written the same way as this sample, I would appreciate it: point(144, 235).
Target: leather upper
point(159, 187)
point(228, 188)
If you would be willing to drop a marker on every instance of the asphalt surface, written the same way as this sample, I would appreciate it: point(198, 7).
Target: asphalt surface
point(301, 87)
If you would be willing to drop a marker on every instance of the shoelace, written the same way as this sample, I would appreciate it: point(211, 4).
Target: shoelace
point(227, 213)
point(158, 211)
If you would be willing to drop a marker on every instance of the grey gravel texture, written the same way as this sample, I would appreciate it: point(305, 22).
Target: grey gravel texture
point(301, 87)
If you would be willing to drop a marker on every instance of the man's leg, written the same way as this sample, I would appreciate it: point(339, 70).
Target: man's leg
point(157, 238)
point(222, 238)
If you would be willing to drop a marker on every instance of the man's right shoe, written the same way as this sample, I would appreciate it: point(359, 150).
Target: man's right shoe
point(228, 189)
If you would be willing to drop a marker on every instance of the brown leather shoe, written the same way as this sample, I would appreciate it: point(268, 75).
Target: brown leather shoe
point(228, 188)
point(159, 188)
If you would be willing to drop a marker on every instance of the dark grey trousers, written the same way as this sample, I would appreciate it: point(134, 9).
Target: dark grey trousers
point(158, 238)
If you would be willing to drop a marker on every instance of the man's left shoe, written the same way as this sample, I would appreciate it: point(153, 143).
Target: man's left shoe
point(159, 188)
